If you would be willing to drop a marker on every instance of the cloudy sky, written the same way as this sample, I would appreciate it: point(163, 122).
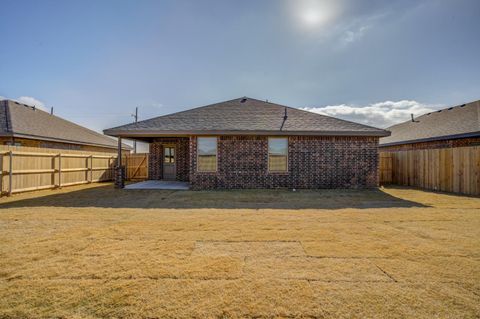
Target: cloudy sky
point(371, 61)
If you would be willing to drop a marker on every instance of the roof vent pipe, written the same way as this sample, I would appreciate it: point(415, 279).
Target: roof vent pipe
point(51, 110)
point(286, 116)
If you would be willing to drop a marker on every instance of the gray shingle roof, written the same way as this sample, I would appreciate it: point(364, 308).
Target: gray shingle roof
point(21, 120)
point(452, 122)
point(245, 116)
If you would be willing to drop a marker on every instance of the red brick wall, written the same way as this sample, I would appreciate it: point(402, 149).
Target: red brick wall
point(314, 162)
point(155, 163)
point(471, 141)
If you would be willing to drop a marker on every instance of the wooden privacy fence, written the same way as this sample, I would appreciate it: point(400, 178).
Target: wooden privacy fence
point(385, 168)
point(454, 170)
point(26, 169)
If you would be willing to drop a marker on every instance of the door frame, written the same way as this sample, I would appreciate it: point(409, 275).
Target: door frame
point(174, 162)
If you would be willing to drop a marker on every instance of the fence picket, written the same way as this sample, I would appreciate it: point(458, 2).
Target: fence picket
point(35, 168)
point(452, 170)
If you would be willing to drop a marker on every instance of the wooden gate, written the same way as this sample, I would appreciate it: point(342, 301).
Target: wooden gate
point(136, 166)
point(385, 168)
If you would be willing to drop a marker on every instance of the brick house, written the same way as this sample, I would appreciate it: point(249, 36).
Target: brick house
point(455, 126)
point(24, 125)
point(248, 143)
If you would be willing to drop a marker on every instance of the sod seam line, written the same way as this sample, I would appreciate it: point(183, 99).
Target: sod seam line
point(335, 281)
point(125, 278)
point(304, 250)
point(386, 273)
point(419, 220)
point(246, 241)
point(288, 279)
point(244, 266)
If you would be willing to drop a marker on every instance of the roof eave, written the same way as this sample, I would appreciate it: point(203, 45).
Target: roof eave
point(158, 133)
point(43, 138)
point(6, 134)
point(431, 139)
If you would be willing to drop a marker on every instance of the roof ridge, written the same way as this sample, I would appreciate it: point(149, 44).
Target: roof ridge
point(29, 121)
point(183, 111)
point(255, 99)
point(323, 115)
point(478, 113)
point(339, 119)
point(447, 108)
point(462, 120)
point(253, 116)
point(35, 109)
point(8, 118)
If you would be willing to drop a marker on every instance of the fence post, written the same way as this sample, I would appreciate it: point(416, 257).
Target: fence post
point(2, 171)
point(126, 167)
point(119, 172)
point(91, 168)
point(59, 170)
point(10, 173)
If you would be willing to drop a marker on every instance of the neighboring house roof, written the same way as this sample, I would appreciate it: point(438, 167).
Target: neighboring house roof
point(244, 116)
point(450, 123)
point(23, 121)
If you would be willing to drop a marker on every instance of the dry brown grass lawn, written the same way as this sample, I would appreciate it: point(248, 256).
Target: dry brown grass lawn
point(92, 251)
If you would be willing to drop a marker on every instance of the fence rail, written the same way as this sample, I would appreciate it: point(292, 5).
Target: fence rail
point(454, 170)
point(26, 169)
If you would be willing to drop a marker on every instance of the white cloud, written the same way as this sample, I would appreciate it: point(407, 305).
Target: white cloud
point(155, 105)
point(358, 27)
point(28, 100)
point(382, 114)
point(354, 35)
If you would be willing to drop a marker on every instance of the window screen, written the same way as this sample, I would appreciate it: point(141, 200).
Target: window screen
point(207, 154)
point(277, 154)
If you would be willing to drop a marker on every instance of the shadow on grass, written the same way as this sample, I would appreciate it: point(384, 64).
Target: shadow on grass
point(105, 196)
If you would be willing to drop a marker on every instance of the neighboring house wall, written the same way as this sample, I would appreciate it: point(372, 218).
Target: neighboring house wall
point(48, 144)
point(182, 158)
point(314, 162)
point(461, 142)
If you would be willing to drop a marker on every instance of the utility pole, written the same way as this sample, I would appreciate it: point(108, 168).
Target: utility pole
point(135, 116)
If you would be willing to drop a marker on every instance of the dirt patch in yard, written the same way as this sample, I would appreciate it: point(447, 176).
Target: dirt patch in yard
point(96, 252)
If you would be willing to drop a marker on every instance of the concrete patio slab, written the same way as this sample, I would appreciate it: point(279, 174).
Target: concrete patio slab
point(159, 185)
